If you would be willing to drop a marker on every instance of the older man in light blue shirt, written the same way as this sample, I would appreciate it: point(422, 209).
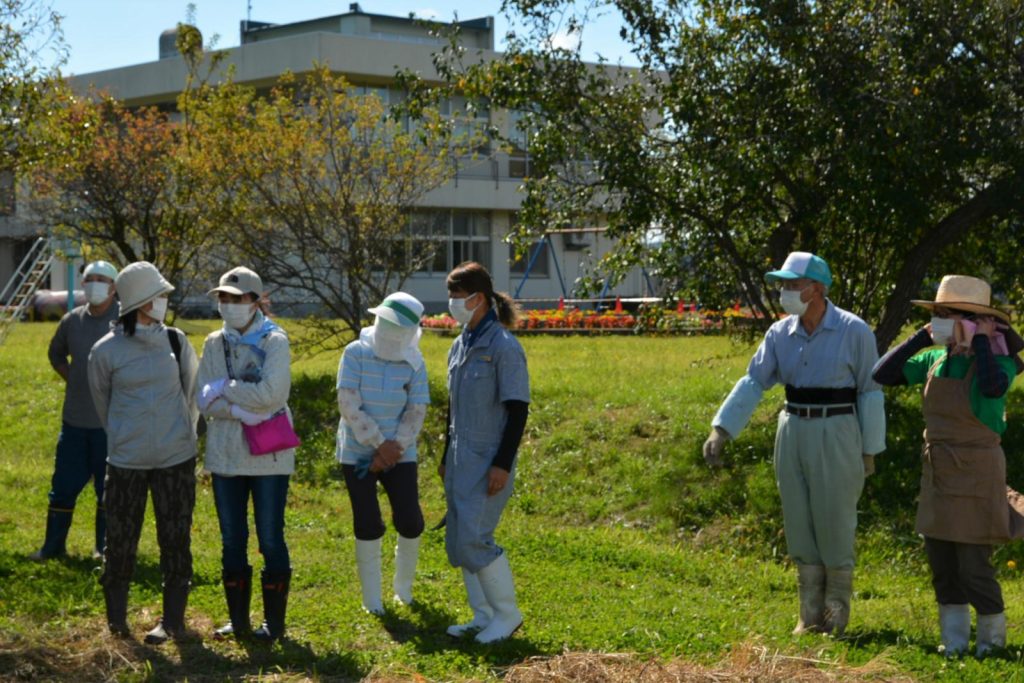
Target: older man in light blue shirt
point(828, 433)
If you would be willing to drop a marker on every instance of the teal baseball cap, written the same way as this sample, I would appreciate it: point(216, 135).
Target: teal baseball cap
point(802, 264)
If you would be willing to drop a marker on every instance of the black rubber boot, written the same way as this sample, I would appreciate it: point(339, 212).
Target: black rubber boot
point(275, 604)
point(116, 598)
point(58, 523)
point(238, 592)
point(172, 623)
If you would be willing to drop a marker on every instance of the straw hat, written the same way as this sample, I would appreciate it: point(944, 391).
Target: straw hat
point(966, 294)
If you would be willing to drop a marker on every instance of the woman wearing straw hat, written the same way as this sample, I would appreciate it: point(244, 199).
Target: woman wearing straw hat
point(962, 508)
point(145, 398)
point(245, 379)
point(382, 397)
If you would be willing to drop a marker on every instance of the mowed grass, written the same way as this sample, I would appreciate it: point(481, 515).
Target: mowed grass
point(621, 540)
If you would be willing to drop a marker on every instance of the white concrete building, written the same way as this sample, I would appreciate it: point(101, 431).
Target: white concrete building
point(473, 212)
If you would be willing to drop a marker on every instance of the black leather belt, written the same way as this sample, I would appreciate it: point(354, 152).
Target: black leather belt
point(806, 411)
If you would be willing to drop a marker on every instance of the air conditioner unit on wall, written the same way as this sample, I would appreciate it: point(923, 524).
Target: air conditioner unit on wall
point(574, 241)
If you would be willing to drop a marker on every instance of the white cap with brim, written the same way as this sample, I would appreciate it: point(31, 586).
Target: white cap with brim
point(102, 268)
point(138, 284)
point(802, 264)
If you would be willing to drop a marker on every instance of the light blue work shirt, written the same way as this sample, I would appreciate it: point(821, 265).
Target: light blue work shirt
point(385, 387)
point(840, 353)
point(481, 377)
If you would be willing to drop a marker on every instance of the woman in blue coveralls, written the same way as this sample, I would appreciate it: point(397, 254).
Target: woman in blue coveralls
point(488, 402)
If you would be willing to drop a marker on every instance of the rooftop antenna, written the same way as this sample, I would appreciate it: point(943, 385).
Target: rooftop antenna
point(248, 10)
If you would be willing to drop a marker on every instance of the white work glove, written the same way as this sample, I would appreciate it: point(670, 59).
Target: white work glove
point(248, 417)
point(210, 392)
point(714, 446)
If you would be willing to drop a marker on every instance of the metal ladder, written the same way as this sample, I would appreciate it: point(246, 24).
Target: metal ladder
point(27, 278)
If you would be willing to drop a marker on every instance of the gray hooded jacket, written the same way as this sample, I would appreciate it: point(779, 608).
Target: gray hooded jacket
point(145, 401)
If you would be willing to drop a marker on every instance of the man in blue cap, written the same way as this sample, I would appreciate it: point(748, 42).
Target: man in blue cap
point(82, 444)
point(832, 426)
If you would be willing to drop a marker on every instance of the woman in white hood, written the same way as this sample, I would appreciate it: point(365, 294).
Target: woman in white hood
point(382, 398)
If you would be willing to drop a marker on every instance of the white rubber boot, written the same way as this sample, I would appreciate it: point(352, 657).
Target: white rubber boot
point(368, 563)
point(482, 612)
point(496, 582)
point(407, 551)
point(955, 628)
point(991, 633)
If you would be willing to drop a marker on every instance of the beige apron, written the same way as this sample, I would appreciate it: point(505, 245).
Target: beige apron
point(964, 497)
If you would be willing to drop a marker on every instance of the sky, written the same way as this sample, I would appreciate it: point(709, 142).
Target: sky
point(107, 34)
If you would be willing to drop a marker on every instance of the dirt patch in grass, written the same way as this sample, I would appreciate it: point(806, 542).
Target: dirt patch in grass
point(97, 656)
point(748, 663)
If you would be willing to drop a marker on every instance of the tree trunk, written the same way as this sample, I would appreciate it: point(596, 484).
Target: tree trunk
point(990, 203)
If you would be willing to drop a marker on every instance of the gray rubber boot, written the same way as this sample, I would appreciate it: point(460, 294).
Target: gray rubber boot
point(955, 628)
point(838, 591)
point(991, 633)
point(811, 586)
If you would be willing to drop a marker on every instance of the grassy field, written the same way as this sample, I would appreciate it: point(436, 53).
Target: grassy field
point(621, 541)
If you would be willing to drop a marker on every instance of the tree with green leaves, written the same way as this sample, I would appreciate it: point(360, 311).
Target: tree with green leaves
point(886, 137)
point(315, 186)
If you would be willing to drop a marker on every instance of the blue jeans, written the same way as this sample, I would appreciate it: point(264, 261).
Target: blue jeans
point(269, 494)
point(81, 454)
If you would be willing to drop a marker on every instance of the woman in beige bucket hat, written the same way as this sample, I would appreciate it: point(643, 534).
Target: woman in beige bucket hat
point(962, 508)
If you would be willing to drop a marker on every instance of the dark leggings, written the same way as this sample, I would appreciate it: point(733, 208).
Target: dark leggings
point(962, 574)
point(401, 485)
point(174, 498)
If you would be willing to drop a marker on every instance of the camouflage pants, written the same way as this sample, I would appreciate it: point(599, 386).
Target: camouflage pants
point(174, 497)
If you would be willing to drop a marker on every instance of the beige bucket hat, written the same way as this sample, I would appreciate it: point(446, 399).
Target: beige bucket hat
point(964, 293)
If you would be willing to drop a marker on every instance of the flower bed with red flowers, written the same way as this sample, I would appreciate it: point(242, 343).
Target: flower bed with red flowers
point(648, 319)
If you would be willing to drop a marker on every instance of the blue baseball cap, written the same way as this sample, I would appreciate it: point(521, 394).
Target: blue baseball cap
point(802, 264)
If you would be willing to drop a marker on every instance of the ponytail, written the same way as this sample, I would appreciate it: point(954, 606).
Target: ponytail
point(508, 311)
point(128, 322)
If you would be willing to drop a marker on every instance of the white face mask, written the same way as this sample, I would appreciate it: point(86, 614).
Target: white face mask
point(792, 303)
point(159, 309)
point(236, 316)
point(96, 292)
point(462, 315)
point(942, 330)
point(390, 341)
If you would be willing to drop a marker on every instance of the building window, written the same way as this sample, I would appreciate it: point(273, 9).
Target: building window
point(538, 253)
point(519, 133)
point(443, 239)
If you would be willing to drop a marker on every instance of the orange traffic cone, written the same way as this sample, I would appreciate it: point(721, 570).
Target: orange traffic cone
point(618, 304)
